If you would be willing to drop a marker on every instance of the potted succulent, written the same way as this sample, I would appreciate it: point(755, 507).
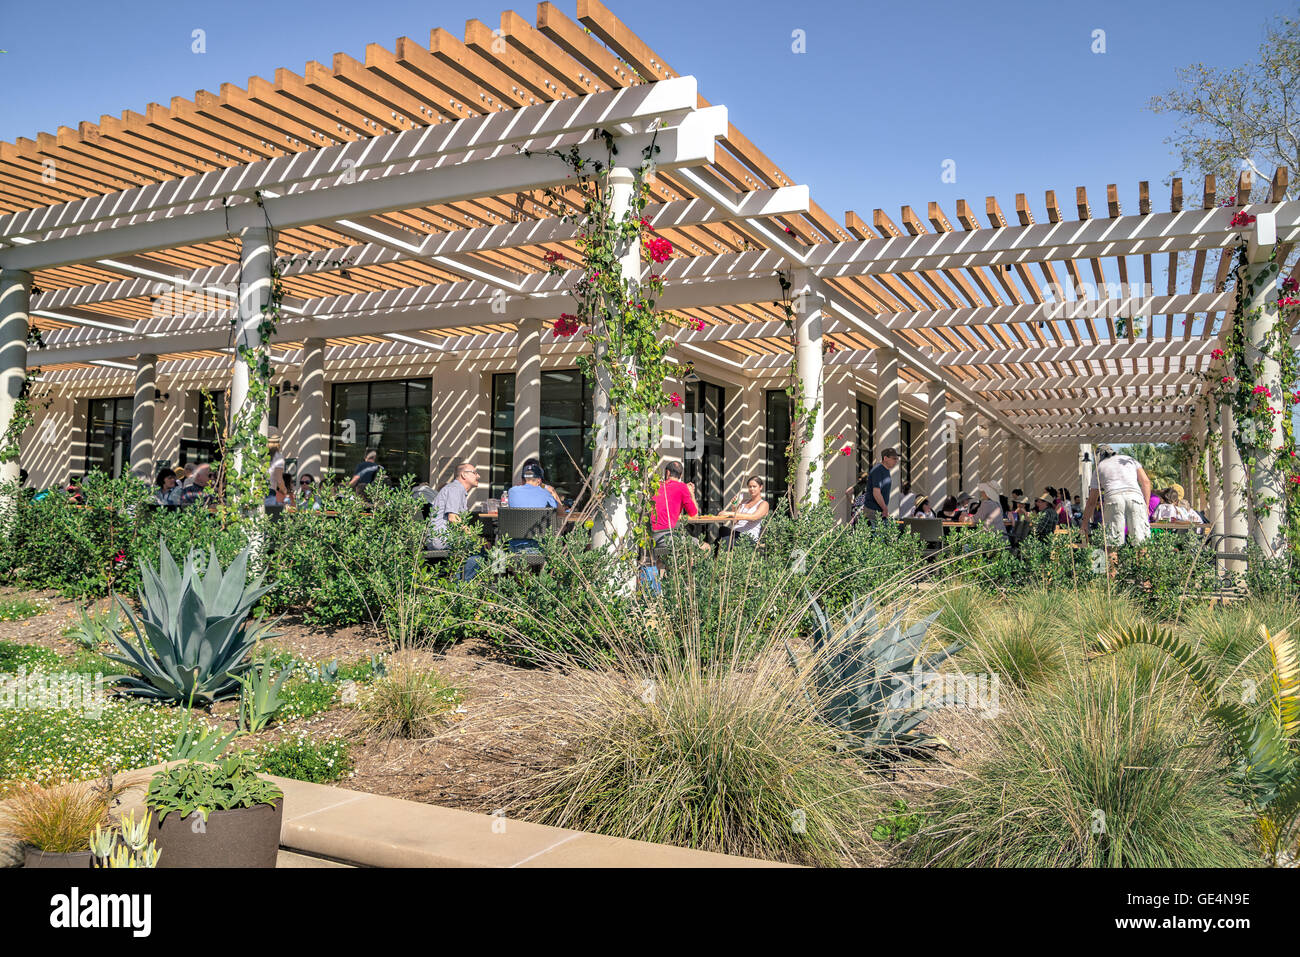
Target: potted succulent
point(54, 824)
point(215, 815)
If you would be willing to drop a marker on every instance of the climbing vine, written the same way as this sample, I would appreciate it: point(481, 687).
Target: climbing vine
point(803, 415)
point(1233, 380)
point(629, 357)
point(24, 414)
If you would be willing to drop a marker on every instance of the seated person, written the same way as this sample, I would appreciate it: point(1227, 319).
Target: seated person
point(1020, 525)
point(198, 490)
point(989, 511)
point(923, 508)
point(1045, 517)
point(531, 493)
point(1172, 508)
point(948, 509)
point(673, 497)
point(450, 503)
point(307, 491)
point(750, 513)
point(166, 491)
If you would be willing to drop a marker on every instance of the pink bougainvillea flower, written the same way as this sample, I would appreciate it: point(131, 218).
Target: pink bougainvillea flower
point(1291, 284)
point(1288, 301)
point(565, 326)
point(698, 325)
point(634, 467)
point(660, 249)
point(1242, 218)
point(831, 497)
point(831, 347)
point(1226, 379)
point(1217, 354)
point(1259, 390)
point(675, 399)
point(553, 257)
point(847, 449)
point(646, 224)
point(789, 230)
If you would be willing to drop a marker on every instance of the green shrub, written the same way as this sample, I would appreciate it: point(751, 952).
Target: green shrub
point(302, 699)
point(46, 745)
point(1092, 772)
point(15, 609)
point(1019, 648)
point(14, 656)
point(304, 758)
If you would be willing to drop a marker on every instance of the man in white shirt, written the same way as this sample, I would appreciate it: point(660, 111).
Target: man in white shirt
point(1124, 491)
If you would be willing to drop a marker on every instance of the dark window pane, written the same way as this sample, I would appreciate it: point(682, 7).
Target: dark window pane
point(776, 462)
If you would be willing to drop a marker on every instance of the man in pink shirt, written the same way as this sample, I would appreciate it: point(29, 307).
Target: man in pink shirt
point(674, 497)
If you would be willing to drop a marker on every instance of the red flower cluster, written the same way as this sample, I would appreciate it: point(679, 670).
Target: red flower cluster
point(647, 225)
point(1291, 284)
point(1288, 301)
point(830, 347)
point(1226, 379)
point(1242, 218)
point(698, 325)
point(634, 467)
point(660, 249)
point(565, 326)
point(119, 558)
point(789, 230)
point(847, 449)
point(1217, 354)
point(675, 399)
point(552, 257)
point(1260, 390)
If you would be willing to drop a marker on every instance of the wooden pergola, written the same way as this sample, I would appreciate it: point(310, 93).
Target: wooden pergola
point(409, 224)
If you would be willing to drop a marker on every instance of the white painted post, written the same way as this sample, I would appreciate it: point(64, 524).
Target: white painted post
point(1234, 492)
point(939, 436)
point(255, 257)
point(312, 436)
point(1268, 497)
point(142, 416)
point(15, 300)
point(889, 428)
point(528, 393)
point(611, 521)
point(808, 367)
point(975, 451)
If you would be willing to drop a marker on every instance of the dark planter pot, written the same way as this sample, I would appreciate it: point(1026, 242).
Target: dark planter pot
point(34, 858)
point(240, 837)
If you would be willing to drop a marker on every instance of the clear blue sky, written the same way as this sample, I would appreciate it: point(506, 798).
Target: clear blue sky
point(884, 94)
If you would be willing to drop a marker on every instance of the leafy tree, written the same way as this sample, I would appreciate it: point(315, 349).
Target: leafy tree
point(1162, 462)
point(1244, 118)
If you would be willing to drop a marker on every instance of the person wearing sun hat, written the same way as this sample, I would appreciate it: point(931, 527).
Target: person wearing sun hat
point(1172, 508)
point(1046, 516)
point(990, 509)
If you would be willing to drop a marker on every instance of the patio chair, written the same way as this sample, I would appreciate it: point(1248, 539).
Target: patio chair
point(529, 523)
point(929, 530)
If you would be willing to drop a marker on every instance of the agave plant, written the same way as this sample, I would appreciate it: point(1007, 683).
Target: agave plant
point(1265, 741)
point(259, 698)
point(193, 631)
point(864, 678)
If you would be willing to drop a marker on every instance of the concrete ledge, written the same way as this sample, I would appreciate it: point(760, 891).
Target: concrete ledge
point(372, 830)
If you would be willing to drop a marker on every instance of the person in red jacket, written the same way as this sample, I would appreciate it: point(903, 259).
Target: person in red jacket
point(673, 498)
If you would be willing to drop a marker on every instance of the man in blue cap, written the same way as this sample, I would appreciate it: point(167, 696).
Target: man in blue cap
point(531, 494)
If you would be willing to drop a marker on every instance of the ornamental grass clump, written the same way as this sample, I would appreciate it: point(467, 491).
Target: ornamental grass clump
point(408, 702)
point(710, 756)
point(1100, 769)
point(58, 819)
point(1018, 648)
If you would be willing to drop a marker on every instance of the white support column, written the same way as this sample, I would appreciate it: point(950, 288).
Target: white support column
point(840, 421)
point(1267, 496)
point(889, 410)
point(1235, 526)
point(142, 416)
point(255, 256)
point(1196, 463)
point(313, 435)
point(1212, 456)
point(939, 437)
point(995, 467)
point(808, 367)
point(528, 392)
point(976, 451)
point(1086, 466)
point(15, 300)
point(611, 521)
